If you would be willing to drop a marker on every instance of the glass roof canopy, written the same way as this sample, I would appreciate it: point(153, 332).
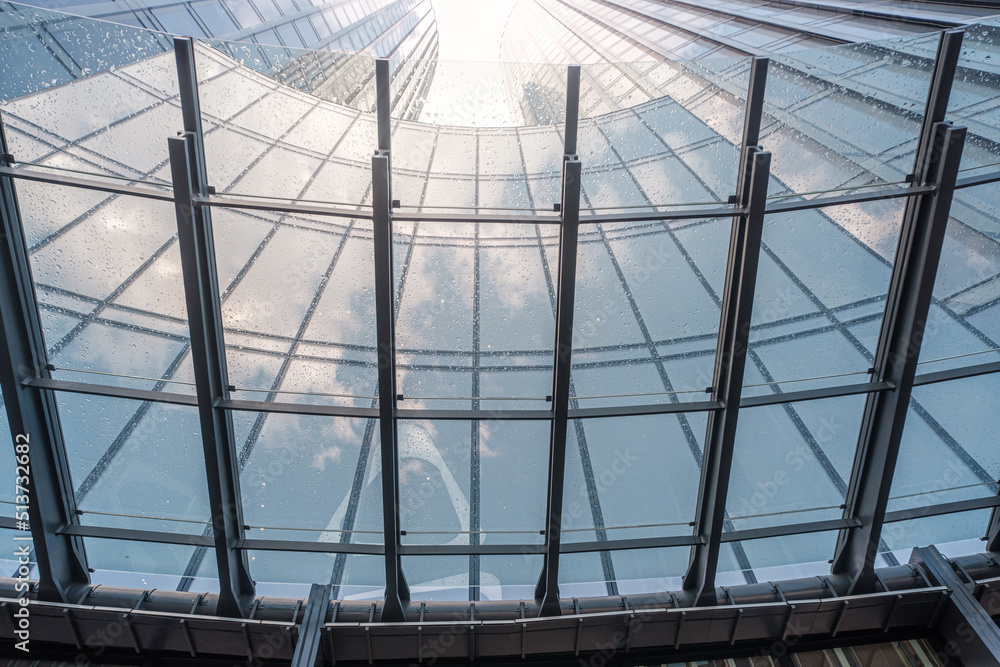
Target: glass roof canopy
point(602, 467)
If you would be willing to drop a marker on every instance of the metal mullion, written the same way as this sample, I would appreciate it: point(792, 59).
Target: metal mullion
point(211, 377)
point(753, 174)
point(586, 463)
point(730, 365)
point(547, 590)
point(208, 353)
point(908, 302)
point(956, 373)
point(396, 589)
point(340, 563)
point(33, 413)
point(370, 428)
point(475, 462)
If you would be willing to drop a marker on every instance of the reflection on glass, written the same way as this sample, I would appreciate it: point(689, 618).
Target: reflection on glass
point(821, 287)
point(134, 464)
point(309, 478)
point(958, 534)
point(792, 462)
point(948, 450)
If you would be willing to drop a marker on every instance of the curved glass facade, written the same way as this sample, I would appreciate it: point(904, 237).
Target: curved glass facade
point(476, 276)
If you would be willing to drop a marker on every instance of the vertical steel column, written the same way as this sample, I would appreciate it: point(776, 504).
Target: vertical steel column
point(964, 623)
point(907, 305)
point(896, 361)
point(32, 414)
point(731, 348)
point(396, 590)
point(208, 349)
point(547, 590)
point(311, 629)
point(730, 364)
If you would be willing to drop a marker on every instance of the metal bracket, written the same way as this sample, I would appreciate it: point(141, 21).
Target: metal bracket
point(187, 635)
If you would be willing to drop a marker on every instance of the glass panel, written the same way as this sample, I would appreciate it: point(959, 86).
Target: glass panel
point(214, 15)
point(833, 116)
point(791, 556)
point(361, 577)
point(298, 305)
point(108, 279)
point(508, 577)
point(289, 573)
point(583, 575)
point(954, 535)
point(146, 565)
point(178, 20)
point(309, 478)
point(670, 151)
point(131, 460)
point(608, 459)
point(473, 482)
point(437, 577)
point(948, 451)
point(94, 48)
point(513, 459)
point(466, 93)
point(634, 571)
point(12, 542)
point(911, 653)
point(467, 301)
point(974, 95)
point(274, 141)
point(963, 328)
point(650, 570)
point(647, 315)
point(819, 270)
point(792, 462)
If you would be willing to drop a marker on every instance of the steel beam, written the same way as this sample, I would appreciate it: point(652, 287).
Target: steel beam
point(208, 356)
point(972, 635)
point(226, 200)
point(547, 589)
point(720, 437)
point(925, 220)
point(730, 356)
point(896, 357)
point(311, 629)
point(907, 306)
point(33, 416)
point(187, 80)
point(208, 349)
point(383, 103)
point(396, 590)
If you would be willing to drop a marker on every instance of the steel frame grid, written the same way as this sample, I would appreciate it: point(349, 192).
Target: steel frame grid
point(702, 571)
